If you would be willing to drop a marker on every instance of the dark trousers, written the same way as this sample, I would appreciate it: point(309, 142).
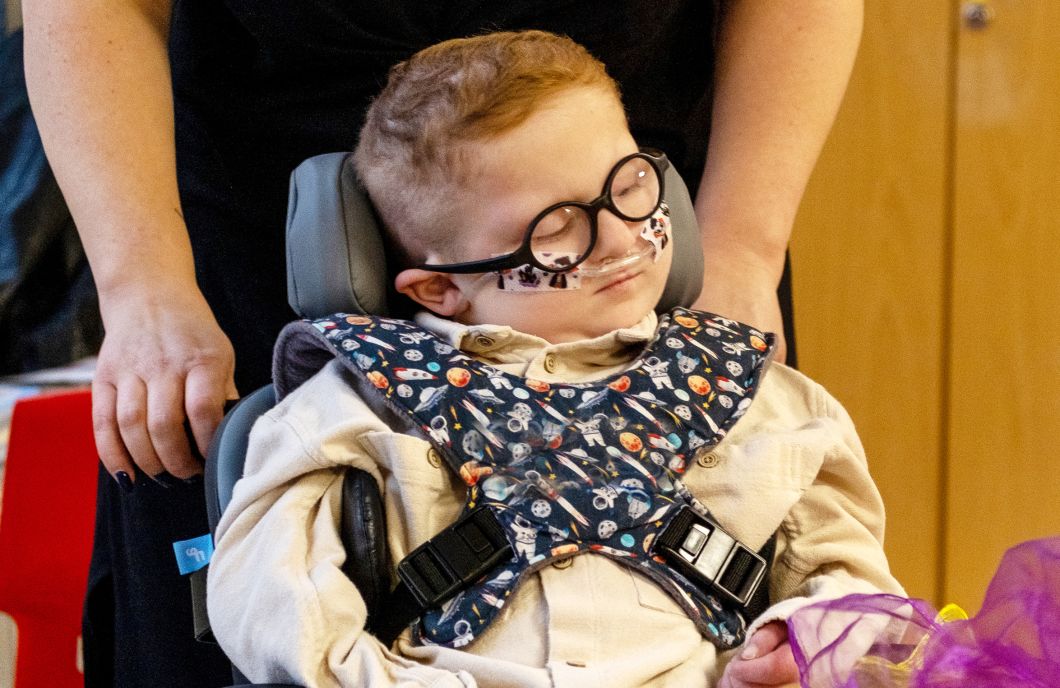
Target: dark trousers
point(138, 627)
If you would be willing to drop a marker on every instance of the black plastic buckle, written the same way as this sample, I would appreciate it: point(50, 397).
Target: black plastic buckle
point(454, 558)
point(703, 551)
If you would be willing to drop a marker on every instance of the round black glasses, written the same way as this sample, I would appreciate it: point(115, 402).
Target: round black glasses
point(563, 235)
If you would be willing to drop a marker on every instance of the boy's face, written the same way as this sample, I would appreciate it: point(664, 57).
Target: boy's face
point(563, 152)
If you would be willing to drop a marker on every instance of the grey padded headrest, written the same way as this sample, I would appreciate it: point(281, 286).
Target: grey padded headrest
point(336, 259)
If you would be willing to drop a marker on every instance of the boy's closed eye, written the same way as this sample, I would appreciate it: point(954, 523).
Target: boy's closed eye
point(556, 227)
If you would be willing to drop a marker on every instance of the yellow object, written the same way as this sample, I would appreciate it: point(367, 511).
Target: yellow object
point(872, 670)
point(951, 612)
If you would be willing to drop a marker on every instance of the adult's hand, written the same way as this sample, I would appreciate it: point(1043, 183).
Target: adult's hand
point(765, 660)
point(744, 290)
point(163, 359)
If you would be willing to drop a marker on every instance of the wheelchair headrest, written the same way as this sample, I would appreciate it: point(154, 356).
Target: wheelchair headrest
point(336, 258)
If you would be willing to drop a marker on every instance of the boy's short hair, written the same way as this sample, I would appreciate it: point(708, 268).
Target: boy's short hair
point(409, 155)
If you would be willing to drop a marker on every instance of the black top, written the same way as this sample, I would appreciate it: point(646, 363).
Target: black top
point(260, 85)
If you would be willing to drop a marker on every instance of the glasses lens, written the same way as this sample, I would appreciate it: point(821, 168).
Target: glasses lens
point(635, 189)
point(561, 237)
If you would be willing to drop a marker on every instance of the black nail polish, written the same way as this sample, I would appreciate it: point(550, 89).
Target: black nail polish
point(124, 480)
point(165, 479)
point(193, 480)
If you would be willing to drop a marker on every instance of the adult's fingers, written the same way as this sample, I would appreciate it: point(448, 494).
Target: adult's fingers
point(140, 423)
point(206, 389)
point(158, 337)
point(109, 444)
point(165, 423)
point(131, 408)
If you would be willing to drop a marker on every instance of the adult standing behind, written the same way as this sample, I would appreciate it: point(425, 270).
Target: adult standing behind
point(172, 129)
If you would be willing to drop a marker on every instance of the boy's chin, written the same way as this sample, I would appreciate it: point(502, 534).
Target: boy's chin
point(559, 321)
point(561, 333)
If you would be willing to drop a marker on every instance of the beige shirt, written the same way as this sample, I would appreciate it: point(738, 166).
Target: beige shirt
point(283, 610)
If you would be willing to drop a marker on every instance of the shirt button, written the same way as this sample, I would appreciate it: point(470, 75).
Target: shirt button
point(434, 458)
point(550, 363)
point(707, 459)
point(483, 340)
point(563, 563)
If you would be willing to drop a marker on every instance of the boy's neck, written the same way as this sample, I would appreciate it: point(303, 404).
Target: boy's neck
point(638, 331)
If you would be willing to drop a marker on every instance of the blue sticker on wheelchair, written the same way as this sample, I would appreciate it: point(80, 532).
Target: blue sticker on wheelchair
point(193, 554)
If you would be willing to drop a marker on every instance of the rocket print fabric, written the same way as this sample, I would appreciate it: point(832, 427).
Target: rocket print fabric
point(568, 468)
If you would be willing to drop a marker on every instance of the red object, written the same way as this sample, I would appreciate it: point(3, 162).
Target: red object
point(46, 522)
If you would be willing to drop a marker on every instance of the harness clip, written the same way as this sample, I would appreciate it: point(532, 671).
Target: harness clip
point(454, 558)
point(702, 550)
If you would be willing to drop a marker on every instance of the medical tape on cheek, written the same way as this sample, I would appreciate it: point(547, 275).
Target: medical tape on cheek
point(656, 231)
point(527, 278)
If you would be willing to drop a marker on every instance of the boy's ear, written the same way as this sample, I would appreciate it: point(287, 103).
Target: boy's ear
point(435, 291)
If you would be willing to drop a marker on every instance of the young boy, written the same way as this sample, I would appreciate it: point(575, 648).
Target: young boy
point(608, 450)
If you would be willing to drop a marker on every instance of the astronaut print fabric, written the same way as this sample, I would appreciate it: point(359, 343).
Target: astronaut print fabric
point(568, 468)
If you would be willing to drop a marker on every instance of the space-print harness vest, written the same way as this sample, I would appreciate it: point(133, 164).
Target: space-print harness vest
point(554, 470)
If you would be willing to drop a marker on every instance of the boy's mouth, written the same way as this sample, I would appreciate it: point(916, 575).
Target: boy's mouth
point(619, 279)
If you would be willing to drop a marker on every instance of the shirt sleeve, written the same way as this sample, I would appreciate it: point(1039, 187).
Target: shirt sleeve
point(830, 544)
point(279, 603)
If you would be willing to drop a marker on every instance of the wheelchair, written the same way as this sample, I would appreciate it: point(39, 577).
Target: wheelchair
point(336, 262)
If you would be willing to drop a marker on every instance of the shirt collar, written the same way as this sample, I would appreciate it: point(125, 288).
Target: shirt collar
point(504, 344)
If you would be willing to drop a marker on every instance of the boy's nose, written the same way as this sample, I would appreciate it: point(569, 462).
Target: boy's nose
point(614, 236)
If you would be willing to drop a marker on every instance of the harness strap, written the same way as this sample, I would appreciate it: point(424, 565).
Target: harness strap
point(441, 567)
point(543, 460)
point(453, 560)
point(760, 599)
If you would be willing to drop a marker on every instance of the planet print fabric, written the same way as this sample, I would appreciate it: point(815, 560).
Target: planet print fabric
point(567, 469)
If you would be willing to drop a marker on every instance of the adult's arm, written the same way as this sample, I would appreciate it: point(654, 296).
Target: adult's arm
point(99, 81)
point(782, 68)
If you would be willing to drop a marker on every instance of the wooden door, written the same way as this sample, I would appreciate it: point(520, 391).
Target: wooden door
point(869, 255)
point(1004, 339)
point(927, 280)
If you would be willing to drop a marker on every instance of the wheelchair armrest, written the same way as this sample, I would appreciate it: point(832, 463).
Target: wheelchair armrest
point(363, 530)
point(224, 465)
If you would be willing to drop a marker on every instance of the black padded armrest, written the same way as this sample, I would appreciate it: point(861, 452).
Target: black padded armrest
point(363, 531)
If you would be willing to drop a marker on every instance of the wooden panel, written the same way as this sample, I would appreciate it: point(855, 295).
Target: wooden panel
point(869, 261)
point(1004, 485)
point(8, 643)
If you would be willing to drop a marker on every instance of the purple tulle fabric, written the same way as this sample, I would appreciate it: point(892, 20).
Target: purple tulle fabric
point(885, 641)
